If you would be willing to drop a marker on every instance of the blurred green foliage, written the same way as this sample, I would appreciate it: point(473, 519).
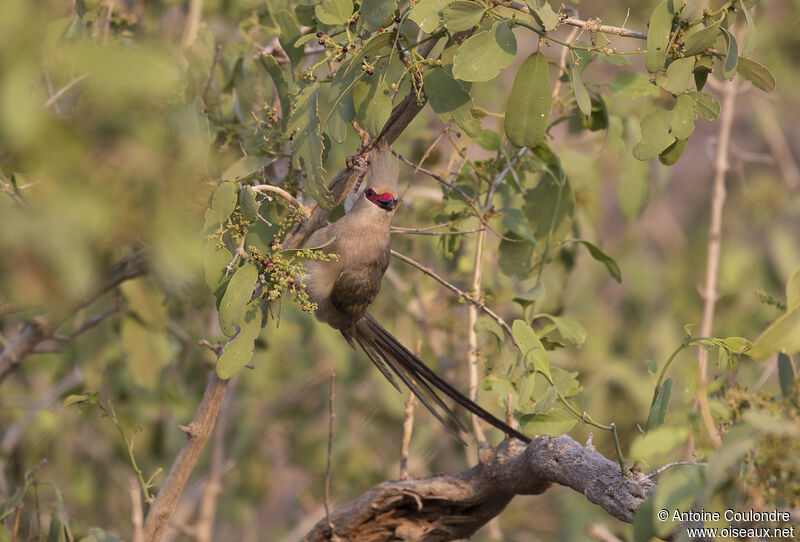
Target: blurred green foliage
point(119, 119)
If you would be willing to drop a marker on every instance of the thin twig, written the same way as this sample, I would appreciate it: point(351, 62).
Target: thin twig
point(408, 427)
point(472, 338)
point(137, 534)
point(217, 58)
point(327, 495)
point(709, 292)
point(663, 468)
point(54, 98)
point(480, 304)
point(604, 28)
point(261, 188)
point(469, 200)
point(416, 231)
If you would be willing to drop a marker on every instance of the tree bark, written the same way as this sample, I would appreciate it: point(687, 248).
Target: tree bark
point(449, 507)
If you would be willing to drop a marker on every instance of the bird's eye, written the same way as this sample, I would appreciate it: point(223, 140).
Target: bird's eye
point(369, 192)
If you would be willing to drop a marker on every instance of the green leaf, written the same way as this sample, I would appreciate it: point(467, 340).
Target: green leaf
point(658, 409)
point(73, 399)
point(373, 104)
point(462, 15)
point(516, 222)
point(581, 95)
point(281, 86)
point(701, 39)
point(5, 536)
point(793, 290)
point(672, 154)
point(515, 257)
point(246, 166)
point(787, 374)
point(373, 46)
point(555, 422)
point(549, 206)
point(487, 323)
point(215, 261)
point(530, 346)
point(239, 351)
point(651, 365)
point(658, 34)
point(485, 54)
point(731, 58)
point(375, 12)
point(677, 490)
point(683, 117)
point(611, 265)
point(248, 203)
point(782, 335)
point(757, 74)
point(544, 14)
point(237, 294)
point(426, 13)
point(568, 328)
point(704, 105)
point(223, 202)
point(750, 40)
point(489, 140)
point(633, 85)
point(643, 521)
point(676, 78)
point(529, 103)
point(334, 12)
point(308, 144)
point(656, 136)
point(449, 99)
point(658, 442)
point(290, 32)
point(531, 296)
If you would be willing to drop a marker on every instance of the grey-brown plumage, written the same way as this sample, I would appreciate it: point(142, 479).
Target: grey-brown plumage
point(344, 289)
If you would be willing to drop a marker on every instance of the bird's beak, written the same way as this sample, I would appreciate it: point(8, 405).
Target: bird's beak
point(387, 204)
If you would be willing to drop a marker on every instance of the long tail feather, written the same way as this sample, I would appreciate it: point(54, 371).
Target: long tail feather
point(386, 352)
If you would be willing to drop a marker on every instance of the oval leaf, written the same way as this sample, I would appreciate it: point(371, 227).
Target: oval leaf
point(757, 74)
point(223, 202)
point(529, 102)
point(239, 351)
point(555, 422)
point(237, 294)
point(530, 346)
point(462, 15)
point(485, 54)
point(581, 95)
point(658, 35)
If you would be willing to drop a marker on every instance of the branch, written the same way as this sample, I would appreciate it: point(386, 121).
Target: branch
point(477, 302)
point(450, 507)
point(709, 292)
point(592, 25)
point(42, 327)
point(197, 434)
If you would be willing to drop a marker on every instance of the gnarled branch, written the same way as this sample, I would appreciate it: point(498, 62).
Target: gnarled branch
point(449, 507)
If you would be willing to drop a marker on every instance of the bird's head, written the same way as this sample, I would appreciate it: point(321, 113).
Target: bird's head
point(385, 200)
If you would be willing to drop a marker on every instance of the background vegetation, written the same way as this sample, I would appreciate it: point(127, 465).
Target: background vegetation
point(118, 119)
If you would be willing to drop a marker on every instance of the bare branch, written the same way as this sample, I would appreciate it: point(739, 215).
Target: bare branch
point(478, 303)
point(284, 194)
point(137, 535)
point(197, 434)
point(709, 292)
point(42, 327)
point(331, 418)
point(472, 339)
point(449, 507)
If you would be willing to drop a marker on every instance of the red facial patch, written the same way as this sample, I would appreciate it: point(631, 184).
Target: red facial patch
point(385, 200)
